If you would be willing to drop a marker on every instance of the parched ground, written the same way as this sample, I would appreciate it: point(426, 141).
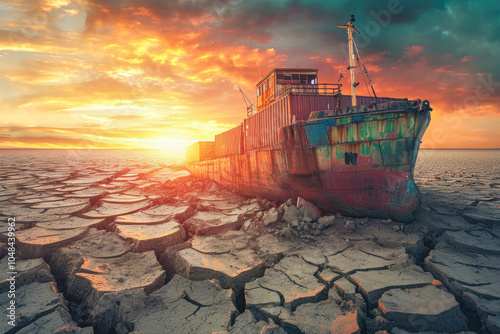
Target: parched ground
point(129, 250)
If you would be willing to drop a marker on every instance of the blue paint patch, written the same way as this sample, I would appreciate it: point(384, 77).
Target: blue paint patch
point(316, 134)
point(330, 122)
point(358, 118)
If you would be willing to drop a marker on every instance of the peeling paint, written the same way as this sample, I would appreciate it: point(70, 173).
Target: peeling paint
point(370, 173)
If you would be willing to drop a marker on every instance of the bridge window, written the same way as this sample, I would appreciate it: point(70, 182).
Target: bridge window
point(312, 79)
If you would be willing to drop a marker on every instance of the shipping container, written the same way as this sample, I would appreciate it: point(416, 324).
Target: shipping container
point(229, 142)
point(302, 105)
point(201, 150)
point(261, 129)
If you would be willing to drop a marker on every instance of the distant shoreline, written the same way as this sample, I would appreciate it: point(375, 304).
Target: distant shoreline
point(87, 149)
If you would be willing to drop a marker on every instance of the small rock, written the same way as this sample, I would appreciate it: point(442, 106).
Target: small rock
point(326, 221)
point(121, 328)
point(259, 215)
point(271, 217)
point(214, 188)
point(295, 223)
point(246, 225)
point(286, 232)
point(396, 228)
point(307, 220)
point(282, 208)
point(291, 213)
point(350, 226)
point(308, 209)
point(289, 202)
point(315, 232)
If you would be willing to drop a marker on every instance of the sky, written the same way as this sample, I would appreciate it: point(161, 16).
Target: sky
point(165, 73)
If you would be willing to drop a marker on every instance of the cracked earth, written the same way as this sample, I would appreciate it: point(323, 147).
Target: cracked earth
point(152, 250)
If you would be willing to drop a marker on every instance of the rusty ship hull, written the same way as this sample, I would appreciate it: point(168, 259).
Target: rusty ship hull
point(358, 164)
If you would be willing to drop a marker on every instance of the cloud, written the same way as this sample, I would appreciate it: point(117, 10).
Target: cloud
point(413, 51)
point(153, 69)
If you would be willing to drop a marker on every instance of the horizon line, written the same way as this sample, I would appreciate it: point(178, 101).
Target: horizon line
point(124, 149)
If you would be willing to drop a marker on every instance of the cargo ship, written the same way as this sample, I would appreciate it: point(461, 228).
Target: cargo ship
point(354, 155)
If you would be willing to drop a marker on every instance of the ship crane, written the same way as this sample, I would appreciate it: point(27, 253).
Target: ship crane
point(355, 57)
point(250, 105)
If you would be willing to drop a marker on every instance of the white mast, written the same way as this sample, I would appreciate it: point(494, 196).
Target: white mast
point(352, 58)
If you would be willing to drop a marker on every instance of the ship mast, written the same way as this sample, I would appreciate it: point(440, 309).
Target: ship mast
point(352, 58)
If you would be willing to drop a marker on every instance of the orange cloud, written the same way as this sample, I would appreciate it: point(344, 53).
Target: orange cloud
point(414, 50)
point(154, 73)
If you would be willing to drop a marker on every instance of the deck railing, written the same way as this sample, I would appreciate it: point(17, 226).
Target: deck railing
point(307, 89)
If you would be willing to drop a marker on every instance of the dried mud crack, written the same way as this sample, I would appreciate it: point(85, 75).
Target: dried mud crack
point(153, 250)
